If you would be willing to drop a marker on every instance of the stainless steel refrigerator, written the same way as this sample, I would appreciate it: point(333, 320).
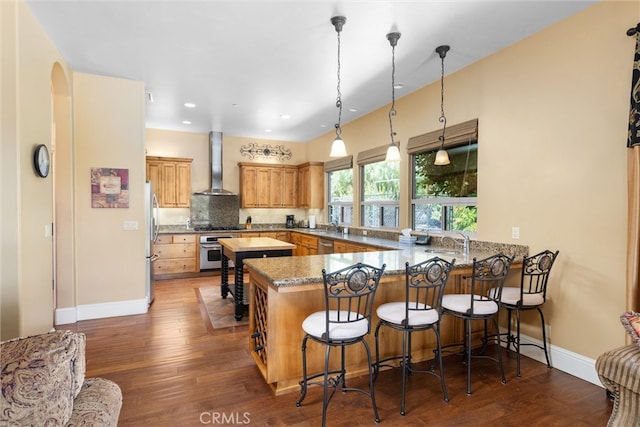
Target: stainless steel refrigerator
point(151, 231)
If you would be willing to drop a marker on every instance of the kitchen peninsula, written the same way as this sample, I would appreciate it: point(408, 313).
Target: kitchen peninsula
point(284, 291)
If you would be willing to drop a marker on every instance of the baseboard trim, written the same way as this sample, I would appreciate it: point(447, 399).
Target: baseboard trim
point(64, 316)
point(564, 360)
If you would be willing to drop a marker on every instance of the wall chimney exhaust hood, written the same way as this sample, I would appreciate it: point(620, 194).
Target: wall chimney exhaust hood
point(215, 158)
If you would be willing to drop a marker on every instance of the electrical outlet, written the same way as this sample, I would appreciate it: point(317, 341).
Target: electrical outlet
point(364, 232)
point(515, 232)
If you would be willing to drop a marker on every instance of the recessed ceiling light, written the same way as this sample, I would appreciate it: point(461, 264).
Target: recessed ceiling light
point(267, 130)
point(323, 126)
point(235, 105)
point(190, 105)
point(398, 85)
point(186, 122)
point(285, 116)
point(354, 109)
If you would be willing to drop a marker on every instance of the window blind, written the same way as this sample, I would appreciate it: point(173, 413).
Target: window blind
point(373, 155)
point(338, 164)
point(454, 135)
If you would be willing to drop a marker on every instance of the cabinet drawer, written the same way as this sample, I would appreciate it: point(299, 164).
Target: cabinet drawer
point(172, 266)
point(181, 250)
point(309, 242)
point(184, 238)
point(164, 239)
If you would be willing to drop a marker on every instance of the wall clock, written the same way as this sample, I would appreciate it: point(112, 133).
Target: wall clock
point(41, 160)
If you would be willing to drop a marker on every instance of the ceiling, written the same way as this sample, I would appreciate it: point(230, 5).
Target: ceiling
point(248, 64)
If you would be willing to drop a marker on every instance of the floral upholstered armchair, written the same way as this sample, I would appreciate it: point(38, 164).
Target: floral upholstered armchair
point(44, 384)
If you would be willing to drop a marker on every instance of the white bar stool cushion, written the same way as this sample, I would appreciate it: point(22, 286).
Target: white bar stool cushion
point(315, 325)
point(511, 295)
point(461, 303)
point(394, 312)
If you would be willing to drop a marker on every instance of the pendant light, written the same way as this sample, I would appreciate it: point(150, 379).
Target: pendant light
point(393, 153)
point(337, 148)
point(442, 157)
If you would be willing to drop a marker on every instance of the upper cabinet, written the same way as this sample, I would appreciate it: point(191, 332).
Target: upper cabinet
point(311, 185)
point(171, 177)
point(255, 186)
point(268, 186)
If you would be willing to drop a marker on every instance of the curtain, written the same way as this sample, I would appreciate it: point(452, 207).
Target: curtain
point(633, 187)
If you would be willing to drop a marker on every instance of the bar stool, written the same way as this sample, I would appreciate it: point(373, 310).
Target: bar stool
point(531, 295)
point(479, 304)
point(346, 320)
point(420, 311)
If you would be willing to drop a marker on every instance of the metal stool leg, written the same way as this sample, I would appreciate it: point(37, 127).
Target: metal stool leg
point(303, 383)
point(371, 388)
point(544, 338)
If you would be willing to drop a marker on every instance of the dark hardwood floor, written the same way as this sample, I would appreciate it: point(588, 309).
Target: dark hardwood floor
point(175, 370)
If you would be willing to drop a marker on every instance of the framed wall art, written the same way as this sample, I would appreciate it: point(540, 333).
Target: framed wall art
point(109, 188)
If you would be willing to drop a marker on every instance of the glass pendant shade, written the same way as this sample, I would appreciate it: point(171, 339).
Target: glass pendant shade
point(337, 148)
point(442, 157)
point(393, 153)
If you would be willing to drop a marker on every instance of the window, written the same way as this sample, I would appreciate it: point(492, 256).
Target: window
point(380, 182)
point(444, 198)
point(340, 184)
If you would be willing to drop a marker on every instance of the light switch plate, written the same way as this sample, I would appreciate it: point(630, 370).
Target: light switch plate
point(130, 225)
point(515, 232)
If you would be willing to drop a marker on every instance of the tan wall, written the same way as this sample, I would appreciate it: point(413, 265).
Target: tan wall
point(28, 58)
point(552, 113)
point(109, 133)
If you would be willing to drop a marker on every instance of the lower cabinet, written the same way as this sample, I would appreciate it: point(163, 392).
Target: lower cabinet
point(178, 253)
point(305, 245)
point(342, 247)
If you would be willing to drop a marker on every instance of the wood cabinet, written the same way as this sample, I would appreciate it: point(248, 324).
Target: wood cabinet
point(254, 187)
point(282, 186)
point(279, 235)
point(342, 247)
point(311, 185)
point(178, 253)
point(305, 245)
point(268, 186)
point(171, 177)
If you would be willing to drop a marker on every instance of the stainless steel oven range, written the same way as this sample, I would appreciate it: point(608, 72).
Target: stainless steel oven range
point(211, 251)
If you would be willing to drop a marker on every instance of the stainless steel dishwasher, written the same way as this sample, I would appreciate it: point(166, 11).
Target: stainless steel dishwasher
point(325, 246)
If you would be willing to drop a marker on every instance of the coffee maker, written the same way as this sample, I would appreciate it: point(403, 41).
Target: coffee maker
point(290, 221)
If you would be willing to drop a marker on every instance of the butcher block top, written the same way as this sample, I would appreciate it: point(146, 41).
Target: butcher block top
point(248, 244)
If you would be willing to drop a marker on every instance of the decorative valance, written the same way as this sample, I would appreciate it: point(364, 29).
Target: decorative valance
point(338, 164)
point(454, 135)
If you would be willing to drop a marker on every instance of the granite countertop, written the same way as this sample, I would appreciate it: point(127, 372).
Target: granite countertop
point(301, 270)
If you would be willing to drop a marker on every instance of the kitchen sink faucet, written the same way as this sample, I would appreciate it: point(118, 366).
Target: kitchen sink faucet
point(465, 244)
